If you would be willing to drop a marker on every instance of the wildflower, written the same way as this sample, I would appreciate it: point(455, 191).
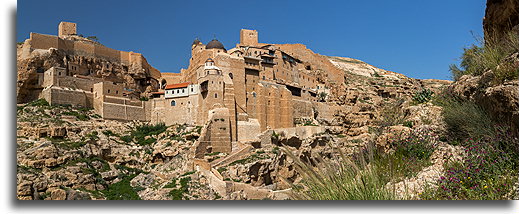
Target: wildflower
point(485, 187)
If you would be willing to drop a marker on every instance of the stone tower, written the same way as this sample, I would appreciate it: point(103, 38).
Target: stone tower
point(211, 107)
point(249, 37)
point(67, 29)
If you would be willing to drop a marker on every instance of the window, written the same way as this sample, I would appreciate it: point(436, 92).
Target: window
point(263, 77)
point(173, 103)
point(108, 90)
point(91, 90)
point(191, 89)
point(215, 95)
point(116, 92)
point(173, 91)
point(182, 90)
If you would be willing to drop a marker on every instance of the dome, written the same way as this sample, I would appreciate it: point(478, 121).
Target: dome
point(214, 44)
point(196, 42)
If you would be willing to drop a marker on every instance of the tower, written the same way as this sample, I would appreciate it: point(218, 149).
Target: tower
point(249, 37)
point(67, 29)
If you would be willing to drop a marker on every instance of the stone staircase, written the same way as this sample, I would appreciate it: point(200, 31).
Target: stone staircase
point(241, 153)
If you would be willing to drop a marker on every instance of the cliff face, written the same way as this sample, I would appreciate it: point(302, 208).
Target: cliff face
point(501, 101)
point(501, 16)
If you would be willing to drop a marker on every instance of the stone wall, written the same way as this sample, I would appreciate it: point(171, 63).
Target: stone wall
point(184, 111)
point(63, 96)
point(88, 48)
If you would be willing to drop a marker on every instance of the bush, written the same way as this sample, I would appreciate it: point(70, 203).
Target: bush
point(418, 144)
point(141, 132)
point(464, 118)
point(39, 103)
point(487, 171)
point(422, 96)
point(489, 55)
point(121, 190)
point(391, 114)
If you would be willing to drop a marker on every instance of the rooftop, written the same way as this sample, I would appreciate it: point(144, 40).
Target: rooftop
point(178, 85)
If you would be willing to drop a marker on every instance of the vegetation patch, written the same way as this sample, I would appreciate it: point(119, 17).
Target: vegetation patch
point(489, 55)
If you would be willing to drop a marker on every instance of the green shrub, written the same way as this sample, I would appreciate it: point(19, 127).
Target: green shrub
point(39, 103)
point(489, 55)
point(418, 144)
point(464, 118)
point(126, 138)
point(141, 132)
point(408, 124)
point(423, 96)
point(391, 114)
point(487, 171)
point(121, 190)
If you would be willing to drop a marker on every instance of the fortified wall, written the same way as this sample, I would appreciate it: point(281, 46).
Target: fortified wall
point(68, 42)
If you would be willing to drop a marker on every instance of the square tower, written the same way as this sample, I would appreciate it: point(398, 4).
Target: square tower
point(66, 29)
point(249, 37)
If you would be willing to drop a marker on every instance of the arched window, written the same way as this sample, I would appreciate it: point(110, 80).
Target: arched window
point(215, 95)
point(173, 103)
point(230, 75)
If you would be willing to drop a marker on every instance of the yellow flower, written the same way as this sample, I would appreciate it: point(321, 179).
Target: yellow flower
point(461, 182)
point(469, 178)
point(485, 186)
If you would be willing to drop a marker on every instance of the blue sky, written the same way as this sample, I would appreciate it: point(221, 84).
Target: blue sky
point(416, 38)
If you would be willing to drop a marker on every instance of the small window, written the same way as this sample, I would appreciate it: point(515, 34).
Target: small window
point(263, 77)
point(116, 92)
point(191, 89)
point(59, 73)
point(215, 95)
point(108, 90)
point(173, 103)
point(182, 90)
point(91, 90)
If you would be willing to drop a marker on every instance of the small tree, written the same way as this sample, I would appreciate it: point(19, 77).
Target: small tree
point(322, 96)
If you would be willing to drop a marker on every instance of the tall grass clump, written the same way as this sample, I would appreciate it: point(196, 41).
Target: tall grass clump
point(463, 118)
point(340, 180)
point(489, 55)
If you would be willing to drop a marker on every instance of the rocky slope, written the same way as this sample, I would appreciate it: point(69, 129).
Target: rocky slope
point(67, 153)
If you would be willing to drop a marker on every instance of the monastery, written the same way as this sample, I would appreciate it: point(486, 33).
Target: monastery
point(235, 93)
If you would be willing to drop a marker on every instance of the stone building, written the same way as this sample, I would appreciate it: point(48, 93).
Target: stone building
point(236, 94)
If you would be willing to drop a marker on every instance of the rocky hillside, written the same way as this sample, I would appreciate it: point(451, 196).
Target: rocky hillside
point(69, 153)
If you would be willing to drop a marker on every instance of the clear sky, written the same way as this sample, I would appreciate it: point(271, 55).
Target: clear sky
point(416, 38)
